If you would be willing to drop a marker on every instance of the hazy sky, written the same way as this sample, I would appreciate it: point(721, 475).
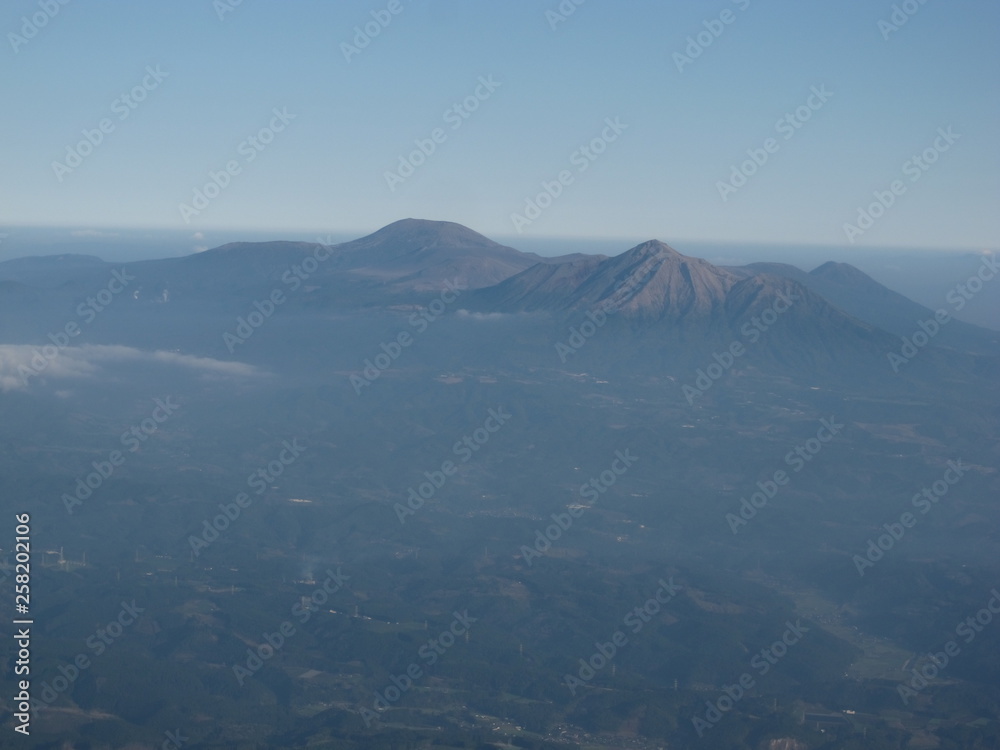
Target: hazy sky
point(548, 92)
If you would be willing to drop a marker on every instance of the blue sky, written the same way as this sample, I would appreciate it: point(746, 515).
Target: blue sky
point(353, 120)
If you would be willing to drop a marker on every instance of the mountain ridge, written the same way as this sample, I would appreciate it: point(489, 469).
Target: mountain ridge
point(409, 260)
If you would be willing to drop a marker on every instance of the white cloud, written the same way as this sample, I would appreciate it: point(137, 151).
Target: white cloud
point(478, 316)
point(92, 360)
point(13, 357)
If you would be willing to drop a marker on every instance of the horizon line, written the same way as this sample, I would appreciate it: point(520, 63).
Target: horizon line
point(111, 230)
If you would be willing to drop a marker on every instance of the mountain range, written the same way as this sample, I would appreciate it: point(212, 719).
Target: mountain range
point(450, 425)
point(839, 313)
